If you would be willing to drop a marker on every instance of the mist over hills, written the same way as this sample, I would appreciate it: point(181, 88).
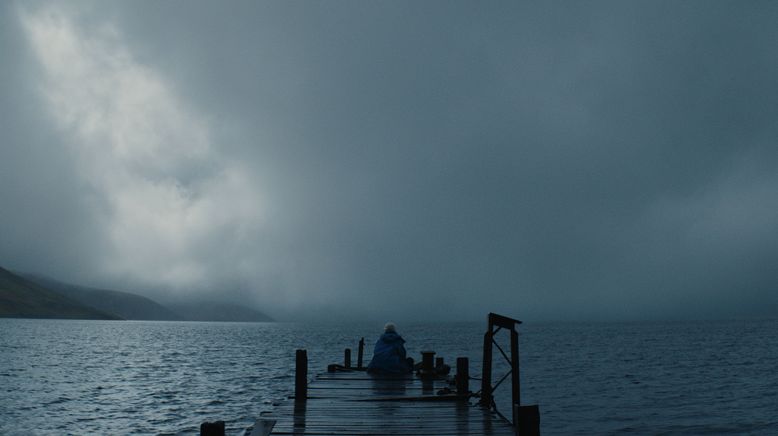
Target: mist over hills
point(21, 298)
point(217, 311)
point(30, 295)
point(125, 304)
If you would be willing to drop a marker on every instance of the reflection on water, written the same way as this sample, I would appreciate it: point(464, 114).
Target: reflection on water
point(116, 377)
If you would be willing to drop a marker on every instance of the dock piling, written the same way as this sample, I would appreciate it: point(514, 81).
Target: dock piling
point(527, 419)
point(301, 376)
point(427, 363)
point(360, 353)
point(212, 428)
point(347, 358)
point(515, 380)
point(486, 370)
point(463, 376)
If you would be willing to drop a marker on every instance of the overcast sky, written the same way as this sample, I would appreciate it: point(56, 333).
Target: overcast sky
point(398, 160)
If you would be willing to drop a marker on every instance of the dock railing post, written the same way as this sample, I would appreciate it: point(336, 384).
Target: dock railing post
point(301, 376)
point(360, 353)
point(486, 370)
point(347, 358)
point(463, 376)
point(427, 363)
point(515, 380)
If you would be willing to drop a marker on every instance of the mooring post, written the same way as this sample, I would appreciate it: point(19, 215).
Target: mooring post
point(527, 420)
point(463, 376)
point(427, 363)
point(486, 369)
point(301, 376)
point(360, 353)
point(515, 380)
point(212, 428)
point(347, 358)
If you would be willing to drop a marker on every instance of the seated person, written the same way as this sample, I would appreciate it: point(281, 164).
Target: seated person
point(389, 354)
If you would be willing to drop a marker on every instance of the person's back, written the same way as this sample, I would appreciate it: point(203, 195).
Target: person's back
point(389, 353)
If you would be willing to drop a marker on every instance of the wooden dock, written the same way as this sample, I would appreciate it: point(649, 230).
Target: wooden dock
point(349, 401)
point(358, 403)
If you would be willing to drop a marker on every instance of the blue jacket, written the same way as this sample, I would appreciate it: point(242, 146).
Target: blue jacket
point(389, 354)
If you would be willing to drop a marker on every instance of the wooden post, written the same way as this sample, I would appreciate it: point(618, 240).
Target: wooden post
point(515, 382)
point(427, 357)
point(486, 370)
point(298, 416)
point(212, 428)
point(427, 362)
point(527, 420)
point(360, 353)
point(301, 376)
point(515, 409)
point(347, 358)
point(463, 376)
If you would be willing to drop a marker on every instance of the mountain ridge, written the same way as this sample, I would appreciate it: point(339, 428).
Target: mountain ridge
point(128, 305)
point(131, 306)
point(21, 298)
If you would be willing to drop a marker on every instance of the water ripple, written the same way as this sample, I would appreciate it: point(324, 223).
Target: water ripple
point(107, 377)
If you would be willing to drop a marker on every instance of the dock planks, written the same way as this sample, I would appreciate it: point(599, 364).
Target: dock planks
point(356, 403)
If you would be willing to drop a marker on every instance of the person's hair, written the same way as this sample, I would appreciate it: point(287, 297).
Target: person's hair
point(390, 327)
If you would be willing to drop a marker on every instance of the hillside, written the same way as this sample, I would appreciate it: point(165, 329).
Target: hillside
point(127, 305)
point(21, 298)
point(213, 311)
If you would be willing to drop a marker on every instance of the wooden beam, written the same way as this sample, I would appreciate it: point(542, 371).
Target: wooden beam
point(515, 381)
point(503, 321)
point(463, 376)
point(360, 353)
point(301, 375)
point(486, 371)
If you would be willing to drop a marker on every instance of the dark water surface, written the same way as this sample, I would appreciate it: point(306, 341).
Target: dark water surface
point(127, 377)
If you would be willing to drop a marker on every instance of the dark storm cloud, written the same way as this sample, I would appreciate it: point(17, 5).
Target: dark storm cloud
point(606, 160)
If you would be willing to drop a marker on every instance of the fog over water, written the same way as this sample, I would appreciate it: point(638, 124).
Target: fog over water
point(403, 160)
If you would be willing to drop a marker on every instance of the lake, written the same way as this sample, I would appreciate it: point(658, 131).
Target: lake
point(145, 377)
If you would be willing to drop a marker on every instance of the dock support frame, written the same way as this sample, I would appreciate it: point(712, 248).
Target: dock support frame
point(495, 324)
